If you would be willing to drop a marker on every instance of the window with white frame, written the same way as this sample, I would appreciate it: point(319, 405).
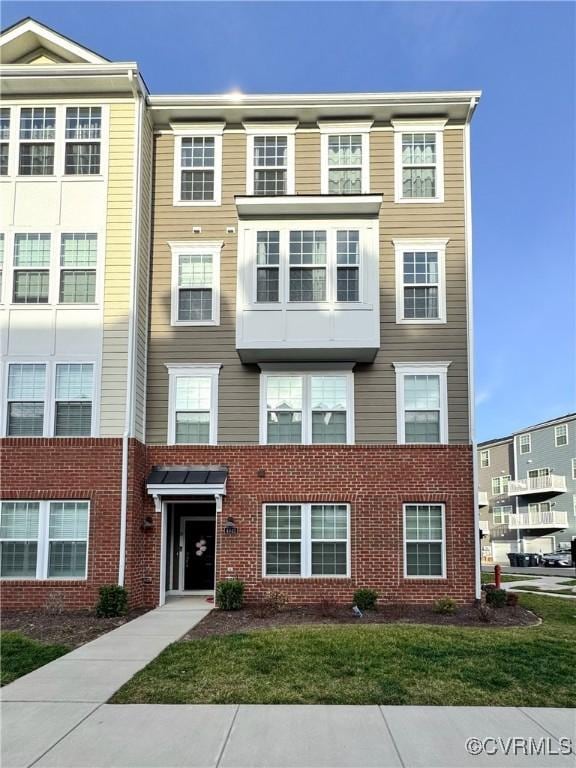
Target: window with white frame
point(1, 264)
point(31, 276)
point(196, 283)
point(345, 158)
point(198, 165)
point(424, 541)
point(73, 400)
point(82, 139)
point(78, 260)
point(525, 443)
point(306, 540)
point(43, 539)
point(307, 408)
point(422, 402)
point(501, 515)
point(193, 404)
point(420, 281)
point(26, 399)
point(270, 159)
point(4, 140)
point(268, 266)
point(419, 161)
point(573, 469)
point(561, 435)
point(37, 138)
point(296, 266)
point(500, 485)
point(485, 458)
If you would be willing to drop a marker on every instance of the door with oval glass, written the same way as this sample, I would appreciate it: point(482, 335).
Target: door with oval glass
point(199, 554)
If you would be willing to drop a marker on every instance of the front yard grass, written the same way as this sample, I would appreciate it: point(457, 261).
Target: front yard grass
point(21, 655)
point(372, 664)
point(488, 578)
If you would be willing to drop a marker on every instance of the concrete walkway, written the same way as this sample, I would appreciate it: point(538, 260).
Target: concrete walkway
point(542, 585)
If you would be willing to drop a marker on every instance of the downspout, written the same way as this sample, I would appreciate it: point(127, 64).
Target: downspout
point(470, 318)
point(128, 424)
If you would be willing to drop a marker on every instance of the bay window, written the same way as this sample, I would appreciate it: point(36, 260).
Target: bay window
point(267, 266)
point(307, 408)
point(308, 265)
point(44, 539)
point(422, 402)
point(306, 540)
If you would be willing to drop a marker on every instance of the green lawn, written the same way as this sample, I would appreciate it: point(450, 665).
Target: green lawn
point(488, 578)
point(373, 664)
point(20, 655)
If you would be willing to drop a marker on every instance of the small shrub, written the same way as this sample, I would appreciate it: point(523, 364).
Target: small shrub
point(271, 604)
point(445, 605)
point(230, 594)
point(365, 599)
point(485, 613)
point(512, 599)
point(113, 601)
point(496, 598)
point(488, 587)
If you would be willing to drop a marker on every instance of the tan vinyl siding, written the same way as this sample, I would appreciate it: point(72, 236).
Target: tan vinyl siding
point(117, 281)
point(375, 383)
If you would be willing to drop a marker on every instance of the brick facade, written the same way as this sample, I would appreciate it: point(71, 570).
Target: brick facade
point(375, 480)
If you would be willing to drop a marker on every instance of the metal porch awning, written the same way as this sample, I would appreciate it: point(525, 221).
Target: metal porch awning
point(187, 480)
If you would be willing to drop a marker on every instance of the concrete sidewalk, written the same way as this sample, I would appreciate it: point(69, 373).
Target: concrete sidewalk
point(184, 736)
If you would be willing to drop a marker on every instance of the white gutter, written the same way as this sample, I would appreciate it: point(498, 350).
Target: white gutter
point(131, 352)
point(470, 333)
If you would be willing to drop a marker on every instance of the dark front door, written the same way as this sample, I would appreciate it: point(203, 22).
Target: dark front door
point(199, 536)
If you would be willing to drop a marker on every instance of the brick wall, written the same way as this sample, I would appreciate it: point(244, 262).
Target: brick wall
point(375, 480)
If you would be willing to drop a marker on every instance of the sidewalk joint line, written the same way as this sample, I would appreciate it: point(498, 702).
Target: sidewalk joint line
point(556, 738)
point(65, 735)
point(226, 740)
point(383, 716)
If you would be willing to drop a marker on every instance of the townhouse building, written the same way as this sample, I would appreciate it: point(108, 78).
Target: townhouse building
point(527, 485)
point(270, 378)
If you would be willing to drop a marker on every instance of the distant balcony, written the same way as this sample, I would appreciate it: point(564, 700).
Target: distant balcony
point(482, 498)
point(534, 485)
point(552, 518)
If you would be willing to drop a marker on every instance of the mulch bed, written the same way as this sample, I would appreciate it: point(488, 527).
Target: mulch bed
point(65, 628)
point(253, 618)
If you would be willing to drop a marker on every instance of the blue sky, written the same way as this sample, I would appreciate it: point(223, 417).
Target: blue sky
point(522, 57)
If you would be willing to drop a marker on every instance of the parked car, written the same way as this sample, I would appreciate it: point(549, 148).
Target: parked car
point(561, 558)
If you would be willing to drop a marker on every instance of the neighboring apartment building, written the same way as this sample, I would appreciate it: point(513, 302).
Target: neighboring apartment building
point(301, 322)
point(527, 488)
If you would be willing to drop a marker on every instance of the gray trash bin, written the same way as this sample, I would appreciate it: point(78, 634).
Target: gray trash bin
point(512, 558)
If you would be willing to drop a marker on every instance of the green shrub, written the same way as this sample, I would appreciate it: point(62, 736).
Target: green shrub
point(230, 594)
point(445, 605)
point(113, 601)
point(365, 599)
point(496, 598)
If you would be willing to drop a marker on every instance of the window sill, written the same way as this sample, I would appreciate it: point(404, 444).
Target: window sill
point(294, 577)
point(418, 200)
point(50, 580)
point(420, 321)
point(196, 203)
point(185, 323)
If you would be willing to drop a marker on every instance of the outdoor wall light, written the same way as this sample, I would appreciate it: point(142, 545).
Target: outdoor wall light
point(147, 523)
point(230, 528)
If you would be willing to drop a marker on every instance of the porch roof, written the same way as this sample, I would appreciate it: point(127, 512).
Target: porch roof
point(187, 480)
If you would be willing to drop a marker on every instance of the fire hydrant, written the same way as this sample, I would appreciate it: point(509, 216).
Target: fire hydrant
point(497, 575)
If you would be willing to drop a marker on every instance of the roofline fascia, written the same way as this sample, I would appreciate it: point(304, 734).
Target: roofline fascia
point(129, 69)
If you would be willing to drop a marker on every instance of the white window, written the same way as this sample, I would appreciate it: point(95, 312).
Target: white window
point(293, 264)
point(307, 407)
point(561, 435)
point(78, 260)
point(1, 264)
point(424, 541)
point(422, 402)
point(573, 469)
point(419, 161)
point(82, 141)
point(306, 540)
point(345, 158)
point(525, 442)
point(501, 515)
point(44, 539)
point(26, 399)
point(541, 509)
point(485, 458)
point(420, 281)
point(198, 165)
point(193, 404)
point(270, 159)
point(37, 138)
point(73, 400)
point(196, 283)
point(500, 485)
point(31, 277)
point(4, 139)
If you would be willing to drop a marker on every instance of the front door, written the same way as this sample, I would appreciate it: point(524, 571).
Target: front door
point(199, 550)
